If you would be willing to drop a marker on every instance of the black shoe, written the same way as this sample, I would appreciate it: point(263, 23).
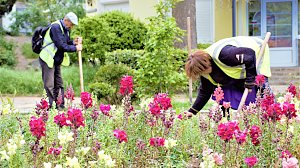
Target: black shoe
point(61, 107)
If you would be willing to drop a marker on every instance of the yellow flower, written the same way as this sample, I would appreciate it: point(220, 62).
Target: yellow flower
point(73, 162)
point(4, 155)
point(83, 150)
point(101, 155)
point(170, 143)
point(291, 129)
point(58, 166)
point(108, 161)
point(65, 137)
point(47, 165)
point(11, 147)
point(92, 163)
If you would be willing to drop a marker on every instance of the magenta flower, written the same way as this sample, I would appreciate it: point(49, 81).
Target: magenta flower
point(37, 127)
point(163, 100)
point(42, 106)
point(86, 100)
point(267, 101)
point(286, 154)
point(292, 89)
point(76, 118)
point(273, 112)
point(226, 130)
point(61, 120)
point(126, 85)
point(240, 136)
point(55, 151)
point(120, 135)
point(260, 80)
point(157, 141)
point(290, 163)
point(70, 93)
point(154, 109)
point(218, 94)
point(251, 161)
point(105, 109)
point(255, 134)
point(289, 110)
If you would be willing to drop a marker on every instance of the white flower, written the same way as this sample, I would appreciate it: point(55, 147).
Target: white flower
point(4, 155)
point(101, 155)
point(108, 161)
point(58, 166)
point(83, 150)
point(47, 165)
point(291, 129)
point(65, 137)
point(92, 163)
point(72, 162)
point(11, 147)
point(170, 143)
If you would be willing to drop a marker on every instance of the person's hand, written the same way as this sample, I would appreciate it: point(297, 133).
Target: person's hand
point(79, 47)
point(188, 114)
point(78, 40)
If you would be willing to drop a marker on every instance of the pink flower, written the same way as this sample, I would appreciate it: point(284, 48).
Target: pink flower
point(157, 141)
point(260, 80)
point(292, 89)
point(140, 144)
point(126, 85)
point(226, 130)
point(218, 159)
point(267, 101)
point(154, 109)
point(70, 93)
point(180, 116)
point(37, 127)
point(61, 120)
point(105, 109)
point(286, 154)
point(218, 94)
point(42, 106)
point(251, 161)
point(59, 100)
point(86, 100)
point(76, 118)
point(290, 163)
point(163, 100)
point(255, 134)
point(55, 151)
point(289, 110)
point(273, 112)
point(226, 105)
point(240, 136)
point(120, 135)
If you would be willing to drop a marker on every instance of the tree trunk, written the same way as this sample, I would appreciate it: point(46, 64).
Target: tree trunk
point(183, 10)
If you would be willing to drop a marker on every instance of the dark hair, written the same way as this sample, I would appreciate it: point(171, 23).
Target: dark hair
point(197, 63)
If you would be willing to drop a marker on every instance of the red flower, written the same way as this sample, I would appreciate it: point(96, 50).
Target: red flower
point(154, 109)
point(273, 113)
point(70, 93)
point(43, 105)
point(61, 120)
point(163, 100)
point(86, 100)
point(75, 117)
point(255, 133)
point(55, 151)
point(126, 85)
point(37, 127)
point(286, 154)
point(218, 94)
point(260, 80)
point(226, 130)
point(120, 135)
point(105, 109)
point(251, 161)
point(157, 141)
point(240, 136)
point(267, 101)
point(289, 110)
point(292, 89)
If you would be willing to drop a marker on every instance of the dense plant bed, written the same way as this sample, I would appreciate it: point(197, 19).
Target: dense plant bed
point(91, 134)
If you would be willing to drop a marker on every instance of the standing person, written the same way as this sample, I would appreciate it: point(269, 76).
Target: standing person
point(231, 63)
point(56, 43)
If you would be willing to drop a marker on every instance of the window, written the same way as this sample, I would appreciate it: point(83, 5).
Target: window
point(254, 18)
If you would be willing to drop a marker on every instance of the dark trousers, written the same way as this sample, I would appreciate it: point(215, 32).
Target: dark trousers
point(53, 82)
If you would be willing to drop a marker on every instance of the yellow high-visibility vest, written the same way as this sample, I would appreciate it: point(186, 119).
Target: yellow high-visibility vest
point(239, 72)
point(49, 49)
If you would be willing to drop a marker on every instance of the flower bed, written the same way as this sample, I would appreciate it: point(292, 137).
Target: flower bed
point(264, 134)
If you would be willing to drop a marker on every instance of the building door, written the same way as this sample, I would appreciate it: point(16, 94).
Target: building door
point(280, 18)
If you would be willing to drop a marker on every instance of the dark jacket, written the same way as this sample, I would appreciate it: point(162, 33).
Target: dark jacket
point(62, 41)
point(229, 58)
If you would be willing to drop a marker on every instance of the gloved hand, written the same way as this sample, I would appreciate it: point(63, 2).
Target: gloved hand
point(249, 85)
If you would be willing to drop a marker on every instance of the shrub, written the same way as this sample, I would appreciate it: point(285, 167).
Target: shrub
point(203, 45)
point(128, 57)
point(7, 55)
point(102, 90)
point(130, 33)
point(27, 51)
point(110, 75)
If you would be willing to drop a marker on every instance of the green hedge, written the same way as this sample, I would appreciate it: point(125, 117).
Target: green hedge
point(7, 55)
point(128, 57)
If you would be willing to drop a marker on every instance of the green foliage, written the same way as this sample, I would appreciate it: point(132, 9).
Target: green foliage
point(96, 38)
point(110, 75)
point(128, 57)
point(7, 55)
point(159, 67)
point(203, 46)
point(34, 15)
point(130, 33)
point(27, 51)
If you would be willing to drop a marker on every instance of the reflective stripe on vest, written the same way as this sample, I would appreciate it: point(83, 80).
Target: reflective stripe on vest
point(239, 72)
point(49, 49)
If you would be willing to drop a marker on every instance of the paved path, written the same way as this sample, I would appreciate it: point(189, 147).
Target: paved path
point(27, 104)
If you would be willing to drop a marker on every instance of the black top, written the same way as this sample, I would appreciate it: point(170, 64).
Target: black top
point(230, 56)
point(61, 41)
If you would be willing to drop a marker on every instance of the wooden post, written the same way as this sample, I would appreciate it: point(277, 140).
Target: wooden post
point(189, 42)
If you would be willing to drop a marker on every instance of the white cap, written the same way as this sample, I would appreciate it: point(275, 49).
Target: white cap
point(72, 17)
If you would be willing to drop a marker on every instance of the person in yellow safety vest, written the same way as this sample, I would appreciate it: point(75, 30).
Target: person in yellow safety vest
point(230, 63)
point(53, 54)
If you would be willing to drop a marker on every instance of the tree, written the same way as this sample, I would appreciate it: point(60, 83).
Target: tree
point(6, 6)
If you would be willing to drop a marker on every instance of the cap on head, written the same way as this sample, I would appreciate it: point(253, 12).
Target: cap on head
point(72, 17)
